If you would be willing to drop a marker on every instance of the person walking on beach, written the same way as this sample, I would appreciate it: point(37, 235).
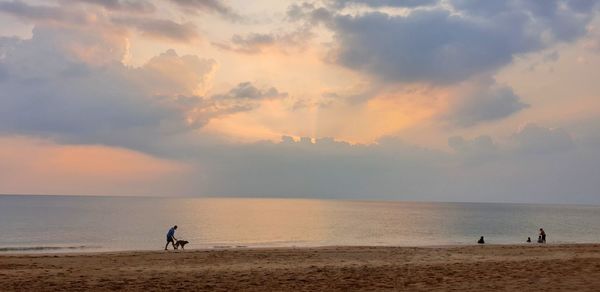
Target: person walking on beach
point(543, 235)
point(171, 237)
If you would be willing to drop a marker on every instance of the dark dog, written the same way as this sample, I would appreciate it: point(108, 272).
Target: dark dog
point(181, 243)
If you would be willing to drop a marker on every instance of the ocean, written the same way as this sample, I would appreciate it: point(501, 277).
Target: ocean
point(83, 224)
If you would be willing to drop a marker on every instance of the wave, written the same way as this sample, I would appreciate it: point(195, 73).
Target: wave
point(41, 248)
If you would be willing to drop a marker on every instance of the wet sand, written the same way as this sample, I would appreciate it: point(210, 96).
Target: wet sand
point(491, 267)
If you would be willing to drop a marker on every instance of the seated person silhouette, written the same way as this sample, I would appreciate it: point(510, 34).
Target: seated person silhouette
point(481, 241)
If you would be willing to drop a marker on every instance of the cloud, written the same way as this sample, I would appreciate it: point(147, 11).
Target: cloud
point(325, 168)
point(255, 43)
point(583, 6)
point(480, 146)
point(308, 12)
point(53, 91)
point(440, 46)
point(534, 139)
point(135, 6)
point(161, 28)
point(483, 101)
point(68, 83)
point(428, 46)
point(446, 46)
point(243, 97)
point(478, 169)
point(535, 164)
point(25, 11)
point(563, 20)
point(529, 141)
point(214, 6)
point(246, 90)
point(78, 17)
point(174, 75)
point(384, 3)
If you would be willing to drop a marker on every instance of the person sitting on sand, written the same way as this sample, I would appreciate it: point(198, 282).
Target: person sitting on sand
point(528, 239)
point(481, 241)
point(543, 235)
point(171, 237)
point(540, 239)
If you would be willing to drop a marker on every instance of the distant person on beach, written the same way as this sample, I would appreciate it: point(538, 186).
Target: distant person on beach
point(529, 239)
point(481, 241)
point(171, 237)
point(540, 239)
point(543, 235)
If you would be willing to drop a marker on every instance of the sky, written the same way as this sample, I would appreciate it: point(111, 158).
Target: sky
point(429, 100)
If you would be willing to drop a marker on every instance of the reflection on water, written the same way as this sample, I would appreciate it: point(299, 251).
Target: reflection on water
point(112, 223)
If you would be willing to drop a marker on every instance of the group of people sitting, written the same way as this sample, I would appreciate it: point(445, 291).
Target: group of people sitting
point(541, 238)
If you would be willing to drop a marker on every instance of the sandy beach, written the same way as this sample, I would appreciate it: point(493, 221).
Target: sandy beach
point(490, 267)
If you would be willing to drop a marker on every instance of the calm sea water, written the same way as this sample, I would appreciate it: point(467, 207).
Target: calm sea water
point(60, 223)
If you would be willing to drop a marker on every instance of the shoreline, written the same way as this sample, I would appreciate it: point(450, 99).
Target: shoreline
point(99, 250)
point(364, 268)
